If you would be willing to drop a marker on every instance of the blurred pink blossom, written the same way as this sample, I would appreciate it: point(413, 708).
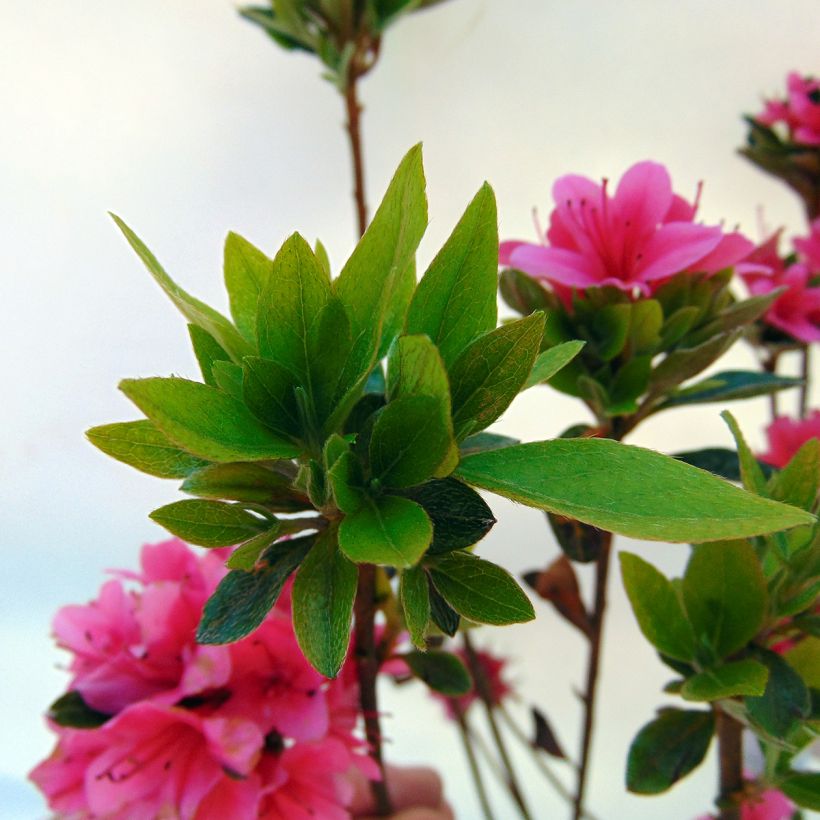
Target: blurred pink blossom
point(799, 111)
point(786, 436)
point(631, 240)
point(770, 804)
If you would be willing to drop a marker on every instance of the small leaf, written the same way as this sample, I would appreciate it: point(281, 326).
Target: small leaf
point(625, 489)
point(456, 298)
point(786, 700)
point(391, 531)
point(524, 294)
point(730, 386)
point(322, 604)
point(479, 590)
point(579, 542)
point(750, 471)
point(443, 672)
point(415, 601)
point(207, 351)
point(72, 711)
point(247, 271)
point(346, 483)
point(441, 613)
point(205, 421)
point(544, 737)
point(667, 749)
point(746, 677)
point(243, 599)
point(209, 523)
point(558, 584)
point(685, 363)
point(657, 608)
point(611, 330)
point(797, 483)
point(139, 444)
point(803, 788)
point(249, 482)
point(247, 555)
point(548, 363)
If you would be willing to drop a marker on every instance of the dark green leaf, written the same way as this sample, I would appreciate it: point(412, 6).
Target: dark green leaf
point(786, 700)
point(209, 523)
point(485, 441)
point(746, 677)
point(685, 363)
point(625, 489)
point(246, 482)
point(456, 299)
point(346, 483)
point(243, 599)
point(72, 711)
point(803, 788)
point(205, 421)
point(579, 542)
point(657, 608)
point(139, 444)
point(730, 385)
point(323, 594)
point(479, 590)
point(207, 351)
point(441, 613)
point(491, 371)
point(611, 330)
point(247, 271)
point(524, 294)
point(667, 749)
point(389, 530)
point(441, 671)
point(548, 363)
point(268, 390)
point(415, 602)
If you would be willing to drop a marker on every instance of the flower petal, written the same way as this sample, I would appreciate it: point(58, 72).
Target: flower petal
point(674, 247)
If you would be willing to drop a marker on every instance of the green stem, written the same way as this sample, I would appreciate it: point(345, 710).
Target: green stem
point(475, 770)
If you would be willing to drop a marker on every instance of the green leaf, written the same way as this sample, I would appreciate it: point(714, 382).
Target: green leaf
point(481, 442)
point(667, 749)
point(548, 363)
point(378, 268)
point(246, 482)
point(797, 483)
point(657, 608)
point(247, 271)
point(205, 421)
point(228, 378)
point(225, 334)
point(579, 542)
point(441, 613)
point(456, 299)
point(746, 677)
point(346, 483)
point(803, 788)
point(389, 530)
point(718, 460)
point(729, 386)
point(685, 363)
point(246, 555)
point(611, 330)
point(460, 516)
point(524, 294)
point(139, 444)
point(268, 391)
point(443, 672)
point(646, 321)
point(243, 599)
point(724, 592)
point(625, 489)
point(491, 371)
point(207, 351)
point(323, 594)
point(415, 602)
point(72, 711)
point(410, 439)
point(785, 702)
point(479, 590)
point(209, 523)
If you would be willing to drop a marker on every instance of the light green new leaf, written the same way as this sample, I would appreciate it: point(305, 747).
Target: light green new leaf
point(209, 523)
point(659, 613)
point(249, 482)
point(346, 483)
point(247, 271)
point(456, 299)
point(139, 444)
point(228, 378)
point(226, 335)
point(491, 371)
point(480, 590)
point(750, 471)
point(626, 489)
point(246, 555)
point(323, 595)
point(746, 677)
point(205, 421)
point(207, 351)
point(391, 531)
point(724, 592)
point(414, 594)
point(548, 363)
point(268, 391)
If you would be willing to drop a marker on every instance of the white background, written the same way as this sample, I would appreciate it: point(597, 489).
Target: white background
point(188, 122)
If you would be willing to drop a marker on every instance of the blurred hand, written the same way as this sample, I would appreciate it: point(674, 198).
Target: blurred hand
point(416, 793)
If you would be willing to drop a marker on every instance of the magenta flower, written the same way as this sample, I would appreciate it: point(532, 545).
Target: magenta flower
point(800, 111)
point(643, 234)
point(808, 247)
point(786, 436)
point(204, 732)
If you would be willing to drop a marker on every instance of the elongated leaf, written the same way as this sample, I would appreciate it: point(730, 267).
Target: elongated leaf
point(415, 601)
point(625, 489)
point(247, 271)
point(803, 788)
point(205, 421)
point(725, 594)
point(456, 299)
point(226, 335)
point(243, 599)
point(746, 677)
point(443, 672)
point(491, 371)
point(657, 608)
point(750, 471)
point(667, 749)
point(686, 363)
point(441, 613)
point(228, 378)
point(269, 392)
point(246, 555)
point(548, 363)
point(245, 482)
point(729, 386)
point(209, 523)
point(479, 590)
point(207, 351)
point(139, 444)
point(391, 531)
point(323, 594)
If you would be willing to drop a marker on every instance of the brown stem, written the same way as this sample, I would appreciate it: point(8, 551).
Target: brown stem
point(354, 132)
point(593, 665)
point(367, 667)
point(730, 751)
point(805, 374)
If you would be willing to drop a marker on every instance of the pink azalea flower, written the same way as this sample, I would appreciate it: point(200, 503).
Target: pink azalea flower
point(800, 111)
point(493, 668)
point(199, 732)
point(809, 246)
point(631, 240)
point(786, 436)
point(770, 804)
